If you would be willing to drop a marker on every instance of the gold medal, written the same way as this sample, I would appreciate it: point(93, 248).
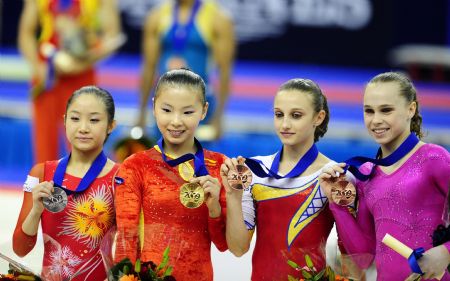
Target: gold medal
point(186, 171)
point(192, 195)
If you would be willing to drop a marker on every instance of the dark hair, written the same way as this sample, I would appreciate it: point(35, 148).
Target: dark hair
point(408, 91)
point(101, 94)
point(182, 76)
point(318, 99)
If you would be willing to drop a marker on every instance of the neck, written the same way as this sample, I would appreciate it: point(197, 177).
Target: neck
point(186, 3)
point(83, 159)
point(292, 154)
point(177, 150)
point(388, 148)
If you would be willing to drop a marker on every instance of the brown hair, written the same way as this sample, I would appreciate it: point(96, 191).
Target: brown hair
point(408, 91)
point(318, 99)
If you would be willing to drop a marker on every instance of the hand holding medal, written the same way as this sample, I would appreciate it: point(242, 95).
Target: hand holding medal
point(343, 192)
point(336, 186)
point(209, 189)
point(241, 177)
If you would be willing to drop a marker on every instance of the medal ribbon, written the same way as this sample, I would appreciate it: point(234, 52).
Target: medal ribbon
point(353, 163)
point(300, 167)
point(412, 260)
point(89, 177)
point(199, 158)
point(181, 32)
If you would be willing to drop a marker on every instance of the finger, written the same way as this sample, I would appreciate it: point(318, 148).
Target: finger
point(224, 170)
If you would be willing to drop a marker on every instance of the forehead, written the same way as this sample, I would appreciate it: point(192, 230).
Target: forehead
point(179, 94)
point(88, 102)
point(293, 99)
point(382, 93)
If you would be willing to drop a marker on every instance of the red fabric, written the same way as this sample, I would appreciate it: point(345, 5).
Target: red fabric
point(48, 113)
point(271, 249)
point(151, 184)
point(77, 229)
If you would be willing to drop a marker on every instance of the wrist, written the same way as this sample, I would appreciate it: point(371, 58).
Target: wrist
point(215, 211)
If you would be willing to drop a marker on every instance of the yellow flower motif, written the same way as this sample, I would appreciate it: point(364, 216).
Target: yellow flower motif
point(89, 216)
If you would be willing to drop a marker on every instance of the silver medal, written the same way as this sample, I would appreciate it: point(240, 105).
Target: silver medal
point(57, 202)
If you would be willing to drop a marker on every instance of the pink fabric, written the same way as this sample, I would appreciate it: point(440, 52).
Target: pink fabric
point(408, 204)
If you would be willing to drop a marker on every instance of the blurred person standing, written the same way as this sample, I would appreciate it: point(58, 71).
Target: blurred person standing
point(189, 33)
point(62, 40)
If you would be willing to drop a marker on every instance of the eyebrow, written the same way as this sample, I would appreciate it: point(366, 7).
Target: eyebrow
point(77, 112)
point(184, 107)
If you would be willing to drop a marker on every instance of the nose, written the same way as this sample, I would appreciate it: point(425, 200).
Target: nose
point(177, 120)
point(286, 124)
point(377, 118)
point(84, 126)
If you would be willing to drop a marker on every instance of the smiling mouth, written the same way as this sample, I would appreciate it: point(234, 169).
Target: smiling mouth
point(176, 133)
point(380, 131)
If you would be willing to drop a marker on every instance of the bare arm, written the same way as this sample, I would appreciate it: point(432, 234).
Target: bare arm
point(27, 42)
point(223, 48)
point(238, 237)
point(151, 53)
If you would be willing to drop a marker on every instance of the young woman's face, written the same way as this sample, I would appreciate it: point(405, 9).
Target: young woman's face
point(387, 114)
point(178, 111)
point(86, 123)
point(294, 117)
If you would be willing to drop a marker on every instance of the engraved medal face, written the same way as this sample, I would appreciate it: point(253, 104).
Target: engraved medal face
point(343, 192)
point(240, 179)
point(192, 195)
point(57, 202)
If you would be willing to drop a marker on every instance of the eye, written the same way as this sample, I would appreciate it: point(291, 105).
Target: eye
point(278, 114)
point(165, 110)
point(387, 110)
point(74, 118)
point(95, 120)
point(189, 112)
point(296, 115)
point(368, 111)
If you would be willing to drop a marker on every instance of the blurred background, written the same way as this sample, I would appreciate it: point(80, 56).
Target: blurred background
point(340, 44)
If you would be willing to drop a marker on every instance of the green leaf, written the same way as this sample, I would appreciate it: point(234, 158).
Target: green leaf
point(331, 276)
point(309, 262)
point(290, 278)
point(292, 264)
point(126, 269)
point(168, 271)
point(319, 275)
point(137, 266)
point(306, 274)
point(165, 259)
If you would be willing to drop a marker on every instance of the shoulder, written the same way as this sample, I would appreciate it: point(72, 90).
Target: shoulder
point(213, 158)
point(141, 158)
point(433, 154)
point(37, 170)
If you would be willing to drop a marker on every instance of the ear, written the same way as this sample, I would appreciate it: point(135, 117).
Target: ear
point(205, 110)
point(112, 126)
point(412, 109)
point(319, 118)
point(64, 119)
point(153, 103)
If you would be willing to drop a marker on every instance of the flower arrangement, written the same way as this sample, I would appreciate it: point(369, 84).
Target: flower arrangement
point(142, 271)
point(309, 272)
point(15, 275)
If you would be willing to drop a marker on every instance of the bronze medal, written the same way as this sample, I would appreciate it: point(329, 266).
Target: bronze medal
point(57, 202)
point(241, 178)
point(192, 195)
point(343, 192)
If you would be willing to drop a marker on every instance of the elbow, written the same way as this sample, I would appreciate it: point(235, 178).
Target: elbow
point(18, 250)
point(238, 251)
